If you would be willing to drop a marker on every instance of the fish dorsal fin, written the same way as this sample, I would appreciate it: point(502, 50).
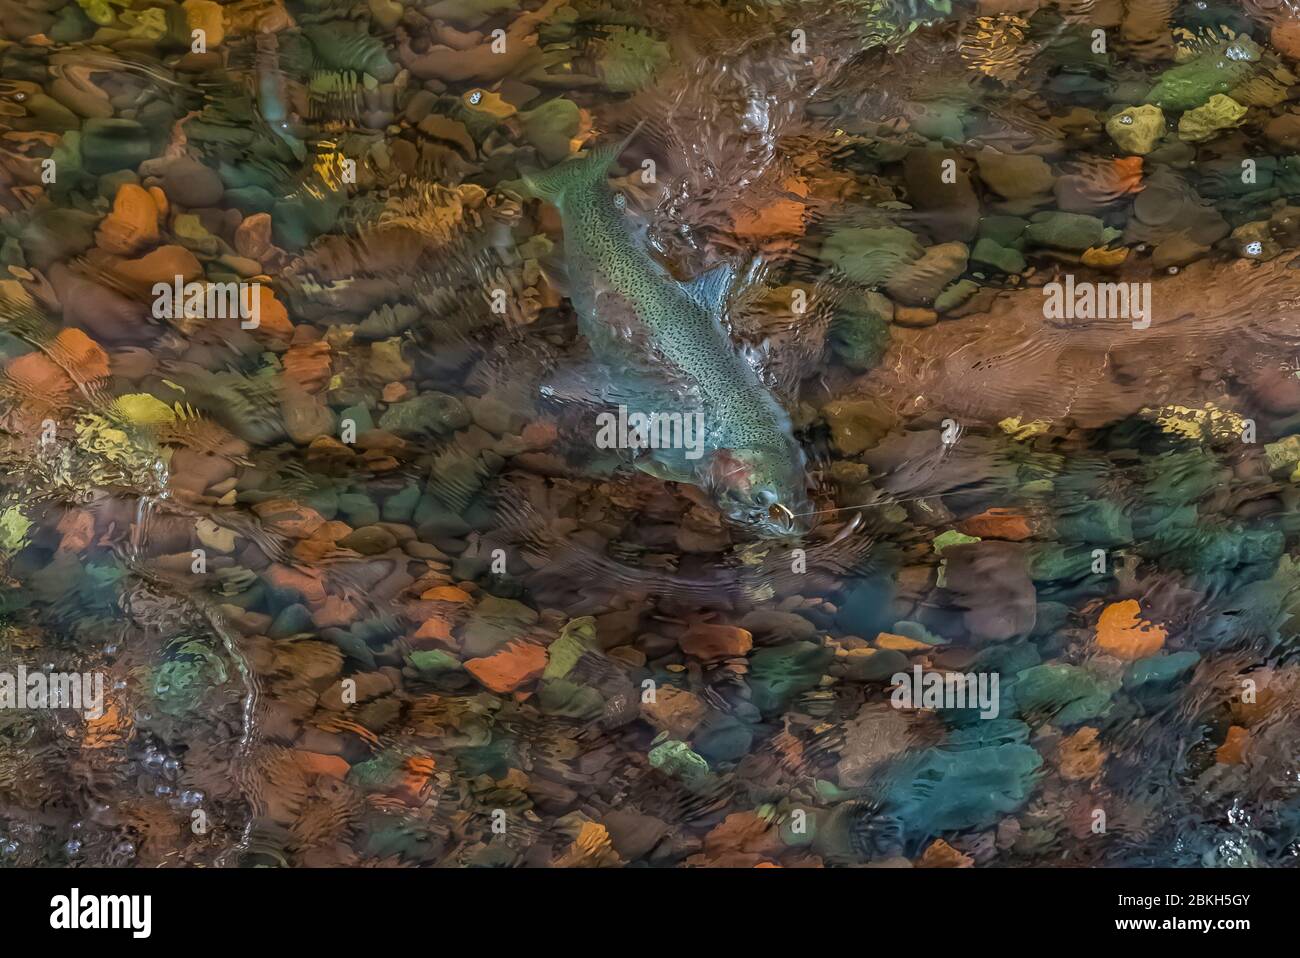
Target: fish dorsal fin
point(712, 287)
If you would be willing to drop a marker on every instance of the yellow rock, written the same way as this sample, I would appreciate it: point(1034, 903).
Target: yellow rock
point(143, 409)
point(1021, 431)
point(1102, 258)
point(901, 643)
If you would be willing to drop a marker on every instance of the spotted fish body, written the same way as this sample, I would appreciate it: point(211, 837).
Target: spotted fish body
point(631, 308)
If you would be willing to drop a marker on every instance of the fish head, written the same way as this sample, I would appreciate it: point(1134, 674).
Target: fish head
point(763, 489)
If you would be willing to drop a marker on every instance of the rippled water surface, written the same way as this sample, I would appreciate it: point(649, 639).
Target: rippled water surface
point(321, 324)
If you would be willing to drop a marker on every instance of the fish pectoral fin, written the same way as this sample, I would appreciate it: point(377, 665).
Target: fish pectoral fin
point(555, 272)
point(712, 287)
point(666, 468)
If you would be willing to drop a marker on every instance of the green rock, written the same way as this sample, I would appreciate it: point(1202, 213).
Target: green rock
point(1001, 258)
point(1003, 230)
point(676, 758)
point(577, 638)
point(114, 144)
point(343, 46)
point(956, 295)
point(871, 255)
point(431, 663)
point(551, 127)
point(941, 790)
point(360, 417)
point(292, 620)
point(54, 235)
point(401, 505)
point(778, 674)
point(722, 738)
point(1159, 670)
point(629, 59)
point(493, 623)
point(1190, 84)
point(570, 700)
point(431, 413)
point(939, 120)
point(951, 538)
point(859, 333)
point(1068, 231)
point(358, 509)
point(875, 666)
point(1067, 693)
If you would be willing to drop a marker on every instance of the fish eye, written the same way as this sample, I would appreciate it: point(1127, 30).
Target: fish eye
point(620, 201)
point(475, 97)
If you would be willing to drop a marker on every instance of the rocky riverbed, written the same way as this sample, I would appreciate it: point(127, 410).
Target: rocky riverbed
point(300, 473)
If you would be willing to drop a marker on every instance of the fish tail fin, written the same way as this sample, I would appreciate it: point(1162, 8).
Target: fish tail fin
point(553, 184)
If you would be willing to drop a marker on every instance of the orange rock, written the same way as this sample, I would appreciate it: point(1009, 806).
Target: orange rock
point(316, 546)
point(1128, 174)
point(78, 529)
point(1233, 749)
point(289, 518)
point(743, 832)
point(333, 612)
point(1081, 756)
point(447, 593)
point(1285, 38)
point(253, 236)
point(434, 629)
point(37, 375)
point(1121, 633)
point(940, 854)
point(110, 728)
point(997, 524)
point(80, 355)
point(416, 781)
point(284, 577)
point(901, 643)
point(314, 763)
point(393, 392)
point(160, 202)
point(273, 318)
point(675, 710)
point(162, 265)
point(716, 641)
point(782, 217)
point(308, 365)
point(133, 223)
point(517, 664)
point(540, 434)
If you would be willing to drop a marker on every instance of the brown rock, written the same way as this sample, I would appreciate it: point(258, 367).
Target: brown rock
point(709, 642)
point(253, 237)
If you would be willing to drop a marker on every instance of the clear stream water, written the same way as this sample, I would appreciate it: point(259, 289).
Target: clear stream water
point(305, 517)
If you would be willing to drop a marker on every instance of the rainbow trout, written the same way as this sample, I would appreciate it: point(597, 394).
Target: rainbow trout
point(663, 343)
